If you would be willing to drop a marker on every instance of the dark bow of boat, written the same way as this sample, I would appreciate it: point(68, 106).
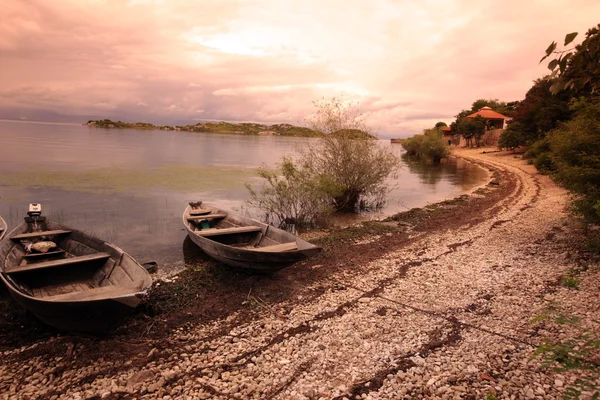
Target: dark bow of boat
point(243, 242)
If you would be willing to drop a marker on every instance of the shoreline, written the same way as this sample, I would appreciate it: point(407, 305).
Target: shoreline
point(435, 302)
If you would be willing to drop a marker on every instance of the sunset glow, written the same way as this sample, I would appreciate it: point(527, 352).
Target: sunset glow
point(409, 64)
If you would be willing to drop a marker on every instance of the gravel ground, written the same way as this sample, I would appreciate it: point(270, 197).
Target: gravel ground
point(453, 314)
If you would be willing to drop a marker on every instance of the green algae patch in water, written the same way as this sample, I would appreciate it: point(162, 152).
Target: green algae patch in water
point(185, 178)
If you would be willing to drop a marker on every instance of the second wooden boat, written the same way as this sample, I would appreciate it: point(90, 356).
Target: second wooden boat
point(243, 242)
point(69, 279)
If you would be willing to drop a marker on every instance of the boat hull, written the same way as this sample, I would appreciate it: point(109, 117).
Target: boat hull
point(93, 295)
point(248, 257)
point(98, 316)
point(239, 258)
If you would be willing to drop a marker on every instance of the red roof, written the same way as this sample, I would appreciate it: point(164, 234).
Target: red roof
point(446, 129)
point(487, 112)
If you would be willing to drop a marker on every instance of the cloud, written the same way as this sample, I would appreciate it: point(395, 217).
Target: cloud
point(410, 64)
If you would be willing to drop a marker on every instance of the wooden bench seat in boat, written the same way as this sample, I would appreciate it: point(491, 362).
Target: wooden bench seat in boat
point(57, 263)
point(276, 247)
point(227, 231)
point(206, 216)
point(200, 211)
point(39, 234)
point(42, 255)
point(101, 292)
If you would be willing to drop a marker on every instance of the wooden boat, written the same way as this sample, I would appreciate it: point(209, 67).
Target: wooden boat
point(2, 228)
point(75, 281)
point(243, 242)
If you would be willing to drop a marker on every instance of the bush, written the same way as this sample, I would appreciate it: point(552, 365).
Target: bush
point(575, 149)
point(335, 172)
point(512, 137)
point(544, 163)
point(427, 146)
point(289, 198)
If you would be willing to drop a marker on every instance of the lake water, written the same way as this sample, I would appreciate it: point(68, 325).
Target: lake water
point(130, 187)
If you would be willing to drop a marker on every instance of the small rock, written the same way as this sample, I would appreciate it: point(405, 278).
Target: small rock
point(558, 382)
point(141, 376)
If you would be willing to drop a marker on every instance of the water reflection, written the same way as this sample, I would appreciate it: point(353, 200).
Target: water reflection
point(456, 170)
point(130, 187)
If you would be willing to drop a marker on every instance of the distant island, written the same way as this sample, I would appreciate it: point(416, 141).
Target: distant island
point(242, 128)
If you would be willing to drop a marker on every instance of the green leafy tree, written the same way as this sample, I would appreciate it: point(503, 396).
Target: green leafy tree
point(472, 129)
point(440, 125)
point(577, 68)
point(430, 145)
point(541, 111)
point(501, 107)
point(512, 137)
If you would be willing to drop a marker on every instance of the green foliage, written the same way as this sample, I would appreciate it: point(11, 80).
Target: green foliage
point(512, 137)
point(472, 129)
point(579, 353)
point(501, 107)
point(575, 152)
point(243, 128)
point(427, 146)
point(440, 124)
point(343, 170)
point(544, 163)
point(538, 148)
point(570, 281)
point(576, 69)
point(291, 196)
point(540, 111)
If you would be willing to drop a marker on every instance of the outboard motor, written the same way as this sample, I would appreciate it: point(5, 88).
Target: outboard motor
point(35, 210)
point(34, 218)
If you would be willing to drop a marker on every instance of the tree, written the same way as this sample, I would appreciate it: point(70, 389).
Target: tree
point(501, 107)
point(337, 171)
point(471, 129)
point(440, 125)
point(540, 111)
point(575, 151)
point(576, 69)
point(512, 137)
point(356, 169)
point(429, 145)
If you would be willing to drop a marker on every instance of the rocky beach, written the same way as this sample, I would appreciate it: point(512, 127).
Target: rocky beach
point(446, 302)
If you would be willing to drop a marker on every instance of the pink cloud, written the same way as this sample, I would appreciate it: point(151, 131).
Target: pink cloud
point(409, 64)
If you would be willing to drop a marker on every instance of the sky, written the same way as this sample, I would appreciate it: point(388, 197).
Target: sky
point(407, 64)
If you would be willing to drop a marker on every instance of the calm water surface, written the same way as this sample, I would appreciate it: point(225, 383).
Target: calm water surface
point(130, 187)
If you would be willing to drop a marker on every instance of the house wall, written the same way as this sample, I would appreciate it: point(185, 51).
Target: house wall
point(489, 139)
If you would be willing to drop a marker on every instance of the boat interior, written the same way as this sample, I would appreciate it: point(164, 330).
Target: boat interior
point(219, 227)
point(71, 267)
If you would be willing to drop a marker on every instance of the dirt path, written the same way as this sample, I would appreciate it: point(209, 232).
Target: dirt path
point(443, 304)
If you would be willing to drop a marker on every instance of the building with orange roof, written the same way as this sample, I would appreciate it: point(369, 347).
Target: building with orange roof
point(496, 120)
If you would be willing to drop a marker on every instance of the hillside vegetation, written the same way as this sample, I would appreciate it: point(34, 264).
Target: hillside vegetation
point(242, 128)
